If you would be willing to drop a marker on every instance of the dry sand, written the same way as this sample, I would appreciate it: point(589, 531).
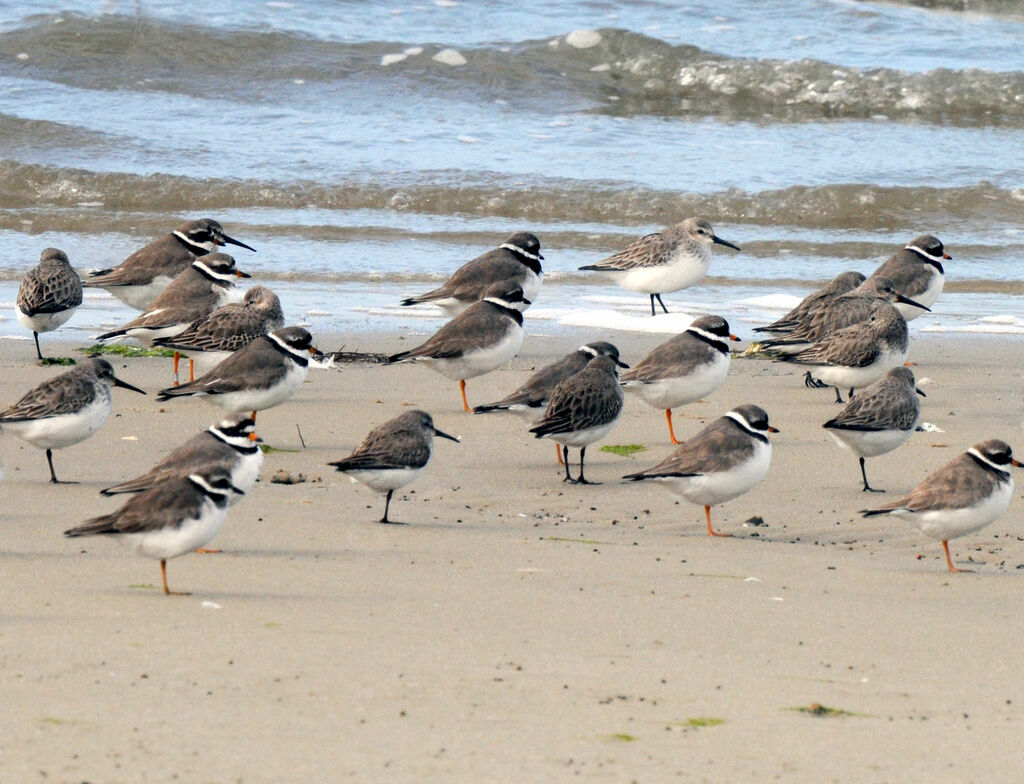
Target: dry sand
point(518, 628)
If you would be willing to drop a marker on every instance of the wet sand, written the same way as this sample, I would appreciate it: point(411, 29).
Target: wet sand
point(517, 628)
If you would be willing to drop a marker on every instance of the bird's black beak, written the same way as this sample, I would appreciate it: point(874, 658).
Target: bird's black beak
point(621, 364)
point(229, 241)
point(445, 435)
point(909, 301)
point(125, 385)
point(922, 394)
point(719, 241)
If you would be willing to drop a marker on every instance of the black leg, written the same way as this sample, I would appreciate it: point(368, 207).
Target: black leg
point(565, 459)
point(812, 383)
point(851, 393)
point(582, 480)
point(387, 505)
point(867, 488)
point(38, 352)
point(653, 311)
point(53, 476)
point(839, 397)
point(658, 296)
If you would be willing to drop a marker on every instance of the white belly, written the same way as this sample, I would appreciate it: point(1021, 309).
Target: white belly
point(141, 297)
point(951, 523)
point(529, 414)
point(676, 275)
point(256, 399)
point(244, 475)
point(858, 377)
point(531, 287)
point(191, 534)
point(722, 486)
point(64, 430)
point(43, 322)
point(678, 391)
point(382, 480)
point(928, 297)
point(147, 335)
point(476, 363)
point(870, 443)
point(582, 438)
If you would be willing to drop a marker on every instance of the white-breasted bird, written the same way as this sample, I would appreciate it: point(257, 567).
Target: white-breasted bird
point(916, 270)
point(48, 295)
point(668, 260)
point(211, 339)
point(260, 375)
point(583, 409)
point(138, 280)
point(962, 497)
point(65, 409)
point(393, 454)
point(482, 338)
point(723, 461)
point(882, 417)
point(177, 515)
point(231, 444)
point(859, 354)
point(516, 261)
point(684, 368)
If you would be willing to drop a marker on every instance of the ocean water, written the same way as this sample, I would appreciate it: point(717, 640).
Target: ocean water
point(367, 149)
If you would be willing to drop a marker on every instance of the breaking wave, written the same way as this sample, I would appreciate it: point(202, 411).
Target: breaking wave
point(610, 71)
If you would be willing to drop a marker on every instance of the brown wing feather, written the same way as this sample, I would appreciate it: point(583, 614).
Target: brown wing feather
point(449, 343)
point(146, 511)
point(882, 408)
point(64, 394)
point(673, 358)
point(471, 280)
point(648, 251)
point(231, 374)
point(853, 346)
point(582, 401)
point(165, 255)
point(387, 447)
point(706, 452)
point(49, 290)
point(958, 478)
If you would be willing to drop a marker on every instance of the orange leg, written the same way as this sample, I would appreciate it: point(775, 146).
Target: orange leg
point(465, 403)
point(671, 432)
point(711, 531)
point(252, 415)
point(177, 359)
point(949, 561)
point(558, 454)
point(191, 369)
point(204, 550)
point(167, 591)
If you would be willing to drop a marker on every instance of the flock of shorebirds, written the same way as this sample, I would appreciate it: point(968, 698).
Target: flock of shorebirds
point(850, 335)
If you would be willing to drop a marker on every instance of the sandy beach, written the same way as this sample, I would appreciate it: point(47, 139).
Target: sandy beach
point(517, 628)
